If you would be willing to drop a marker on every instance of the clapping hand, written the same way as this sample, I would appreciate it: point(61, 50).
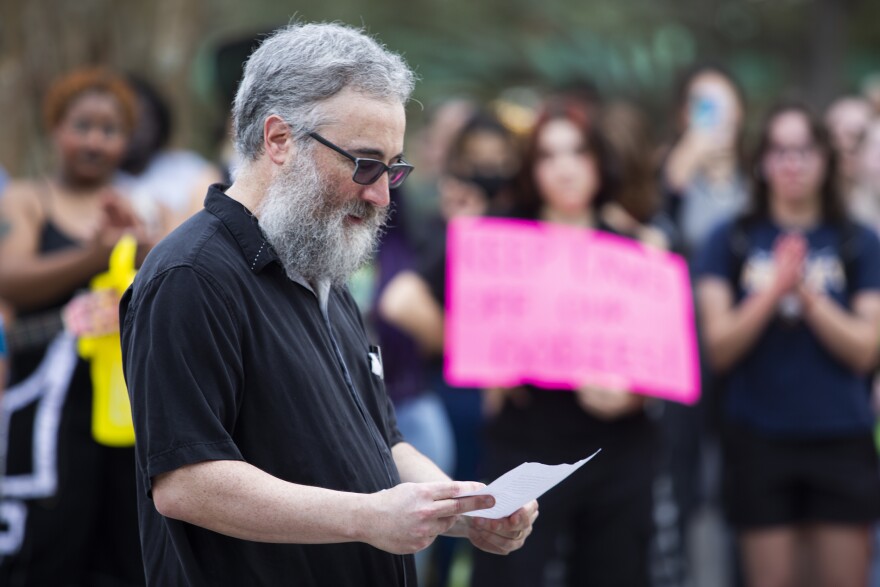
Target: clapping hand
point(789, 254)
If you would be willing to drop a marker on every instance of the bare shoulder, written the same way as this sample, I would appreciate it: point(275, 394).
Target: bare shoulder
point(21, 214)
point(22, 199)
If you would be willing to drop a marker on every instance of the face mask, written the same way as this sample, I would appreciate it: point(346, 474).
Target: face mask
point(491, 184)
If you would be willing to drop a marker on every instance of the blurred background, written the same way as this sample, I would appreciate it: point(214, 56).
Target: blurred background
point(630, 49)
point(479, 58)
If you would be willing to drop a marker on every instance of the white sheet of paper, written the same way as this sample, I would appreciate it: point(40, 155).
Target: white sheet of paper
point(521, 485)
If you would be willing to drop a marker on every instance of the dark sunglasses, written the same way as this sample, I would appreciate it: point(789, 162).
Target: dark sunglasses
point(368, 171)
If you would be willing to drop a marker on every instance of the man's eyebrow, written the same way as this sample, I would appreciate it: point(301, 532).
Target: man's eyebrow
point(373, 153)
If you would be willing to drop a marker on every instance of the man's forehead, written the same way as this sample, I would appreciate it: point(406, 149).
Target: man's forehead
point(369, 121)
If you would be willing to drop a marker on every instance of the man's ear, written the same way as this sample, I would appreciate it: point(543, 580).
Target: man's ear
point(277, 140)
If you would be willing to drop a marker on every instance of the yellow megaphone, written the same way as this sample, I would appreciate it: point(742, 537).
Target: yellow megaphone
point(111, 410)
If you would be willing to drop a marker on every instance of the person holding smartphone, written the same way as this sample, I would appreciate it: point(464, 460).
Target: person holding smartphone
point(702, 174)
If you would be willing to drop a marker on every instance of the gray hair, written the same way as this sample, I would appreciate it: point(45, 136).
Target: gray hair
point(299, 66)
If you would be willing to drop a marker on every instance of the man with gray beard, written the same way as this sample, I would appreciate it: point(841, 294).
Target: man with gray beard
point(267, 450)
point(308, 230)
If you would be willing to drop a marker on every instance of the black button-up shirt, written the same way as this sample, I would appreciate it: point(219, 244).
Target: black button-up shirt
point(226, 358)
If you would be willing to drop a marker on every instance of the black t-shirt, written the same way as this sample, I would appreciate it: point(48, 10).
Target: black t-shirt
point(226, 358)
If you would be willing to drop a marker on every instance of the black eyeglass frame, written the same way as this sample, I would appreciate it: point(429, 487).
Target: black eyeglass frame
point(403, 166)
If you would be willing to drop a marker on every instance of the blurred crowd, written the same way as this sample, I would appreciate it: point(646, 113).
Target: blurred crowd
point(771, 479)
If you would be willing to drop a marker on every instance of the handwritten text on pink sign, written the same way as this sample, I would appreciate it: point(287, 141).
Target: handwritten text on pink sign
point(530, 302)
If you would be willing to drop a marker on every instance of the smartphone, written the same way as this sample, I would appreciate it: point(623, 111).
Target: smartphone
point(706, 113)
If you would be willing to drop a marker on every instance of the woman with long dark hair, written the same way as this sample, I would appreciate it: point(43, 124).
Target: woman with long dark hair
point(790, 300)
point(595, 527)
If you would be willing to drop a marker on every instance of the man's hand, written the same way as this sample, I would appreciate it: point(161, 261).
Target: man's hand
point(505, 535)
point(407, 518)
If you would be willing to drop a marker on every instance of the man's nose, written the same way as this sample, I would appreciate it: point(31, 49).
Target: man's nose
point(377, 193)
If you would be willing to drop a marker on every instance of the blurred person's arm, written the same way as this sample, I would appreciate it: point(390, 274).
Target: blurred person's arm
point(852, 337)
point(29, 279)
point(407, 303)
point(698, 151)
point(729, 329)
point(683, 162)
point(492, 401)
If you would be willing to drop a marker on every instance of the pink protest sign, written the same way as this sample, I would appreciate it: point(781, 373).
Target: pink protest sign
point(554, 306)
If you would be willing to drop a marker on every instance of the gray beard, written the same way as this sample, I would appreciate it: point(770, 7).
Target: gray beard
point(309, 230)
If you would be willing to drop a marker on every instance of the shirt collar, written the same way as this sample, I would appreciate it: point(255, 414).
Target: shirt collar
point(257, 251)
point(243, 226)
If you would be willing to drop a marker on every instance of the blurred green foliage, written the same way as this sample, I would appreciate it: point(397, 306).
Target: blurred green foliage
point(518, 49)
point(628, 48)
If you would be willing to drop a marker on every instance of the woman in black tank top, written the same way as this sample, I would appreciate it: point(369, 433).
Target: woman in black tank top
point(81, 529)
